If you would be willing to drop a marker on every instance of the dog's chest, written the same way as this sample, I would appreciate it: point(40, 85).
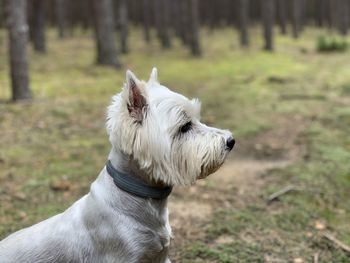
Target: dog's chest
point(133, 243)
point(135, 239)
point(153, 242)
point(153, 245)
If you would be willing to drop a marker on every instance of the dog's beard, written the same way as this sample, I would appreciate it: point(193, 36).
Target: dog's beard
point(205, 172)
point(210, 168)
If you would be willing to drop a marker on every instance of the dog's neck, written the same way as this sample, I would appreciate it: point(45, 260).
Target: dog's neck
point(127, 165)
point(147, 211)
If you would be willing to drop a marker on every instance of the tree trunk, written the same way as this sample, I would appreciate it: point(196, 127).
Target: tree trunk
point(123, 16)
point(268, 14)
point(342, 10)
point(184, 21)
point(163, 26)
point(85, 15)
point(38, 25)
point(1, 14)
point(194, 28)
point(104, 33)
point(18, 38)
point(146, 20)
point(328, 13)
point(296, 17)
point(213, 17)
point(60, 17)
point(176, 17)
point(2, 18)
point(282, 16)
point(318, 7)
point(244, 21)
point(325, 13)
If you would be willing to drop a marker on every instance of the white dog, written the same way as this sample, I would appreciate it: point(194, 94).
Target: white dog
point(157, 142)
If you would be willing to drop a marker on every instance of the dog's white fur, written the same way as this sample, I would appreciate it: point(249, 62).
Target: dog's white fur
point(108, 225)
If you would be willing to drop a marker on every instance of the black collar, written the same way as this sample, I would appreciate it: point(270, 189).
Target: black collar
point(136, 186)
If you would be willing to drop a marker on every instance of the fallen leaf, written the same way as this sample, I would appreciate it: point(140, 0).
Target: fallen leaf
point(319, 225)
point(22, 215)
point(60, 185)
point(298, 260)
point(19, 196)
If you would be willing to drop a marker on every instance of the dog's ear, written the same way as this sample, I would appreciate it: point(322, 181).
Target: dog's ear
point(134, 93)
point(154, 75)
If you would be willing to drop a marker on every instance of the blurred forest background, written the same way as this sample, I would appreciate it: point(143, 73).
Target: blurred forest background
point(275, 72)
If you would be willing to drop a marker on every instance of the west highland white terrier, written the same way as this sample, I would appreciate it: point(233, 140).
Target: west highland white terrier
point(157, 142)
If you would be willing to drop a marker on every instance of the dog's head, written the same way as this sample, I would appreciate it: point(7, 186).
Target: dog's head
point(162, 132)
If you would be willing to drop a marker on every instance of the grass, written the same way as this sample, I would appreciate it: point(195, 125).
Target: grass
point(60, 136)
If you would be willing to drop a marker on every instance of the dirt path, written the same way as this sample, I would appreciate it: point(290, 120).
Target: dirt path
point(239, 179)
point(192, 208)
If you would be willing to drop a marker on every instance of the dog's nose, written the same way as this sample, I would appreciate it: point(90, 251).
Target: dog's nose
point(230, 143)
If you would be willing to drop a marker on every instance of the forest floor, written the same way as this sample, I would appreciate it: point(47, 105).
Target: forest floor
point(289, 111)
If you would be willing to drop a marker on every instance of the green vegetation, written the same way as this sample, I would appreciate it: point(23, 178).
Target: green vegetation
point(330, 44)
point(60, 137)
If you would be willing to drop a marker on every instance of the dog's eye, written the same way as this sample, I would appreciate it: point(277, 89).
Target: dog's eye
point(186, 127)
